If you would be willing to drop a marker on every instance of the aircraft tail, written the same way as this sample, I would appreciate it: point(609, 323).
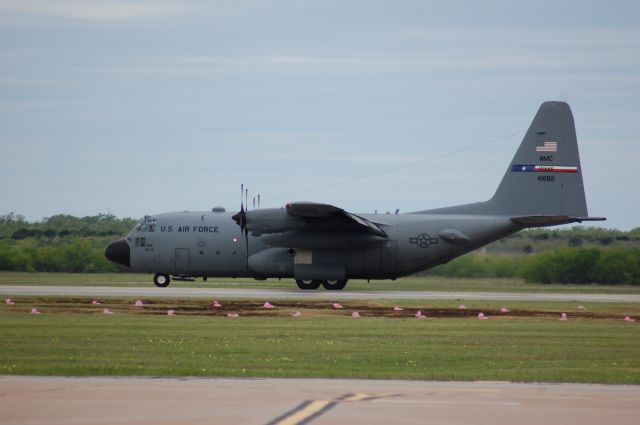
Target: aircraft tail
point(543, 184)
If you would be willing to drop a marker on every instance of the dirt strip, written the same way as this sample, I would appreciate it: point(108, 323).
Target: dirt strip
point(283, 308)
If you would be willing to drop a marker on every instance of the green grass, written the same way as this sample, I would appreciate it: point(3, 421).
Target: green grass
point(413, 283)
point(513, 349)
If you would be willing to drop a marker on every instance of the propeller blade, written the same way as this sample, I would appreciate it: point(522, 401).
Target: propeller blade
point(241, 193)
point(241, 219)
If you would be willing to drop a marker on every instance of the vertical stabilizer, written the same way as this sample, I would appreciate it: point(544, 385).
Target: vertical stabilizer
point(544, 178)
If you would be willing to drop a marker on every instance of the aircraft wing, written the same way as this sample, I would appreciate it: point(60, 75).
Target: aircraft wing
point(328, 214)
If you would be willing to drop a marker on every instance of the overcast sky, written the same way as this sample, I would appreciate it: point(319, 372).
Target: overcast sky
point(138, 107)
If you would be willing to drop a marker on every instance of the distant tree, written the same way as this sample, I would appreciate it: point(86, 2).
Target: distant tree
point(606, 240)
point(21, 233)
point(575, 241)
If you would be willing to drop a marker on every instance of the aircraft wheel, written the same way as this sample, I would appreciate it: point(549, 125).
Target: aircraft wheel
point(161, 280)
point(334, 285)
point(308, 284)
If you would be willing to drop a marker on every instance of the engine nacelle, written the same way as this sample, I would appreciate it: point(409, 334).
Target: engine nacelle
point(272, 220)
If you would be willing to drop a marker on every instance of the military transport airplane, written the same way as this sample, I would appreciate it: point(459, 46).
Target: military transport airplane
point(320, 244)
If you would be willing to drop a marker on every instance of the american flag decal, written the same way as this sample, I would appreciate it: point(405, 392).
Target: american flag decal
point(548, 147)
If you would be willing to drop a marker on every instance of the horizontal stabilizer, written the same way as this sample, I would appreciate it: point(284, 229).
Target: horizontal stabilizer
point(550, 220)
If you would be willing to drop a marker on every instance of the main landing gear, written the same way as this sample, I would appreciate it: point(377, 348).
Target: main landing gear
point(334, 285)
point(161, 280)
point(331, 285)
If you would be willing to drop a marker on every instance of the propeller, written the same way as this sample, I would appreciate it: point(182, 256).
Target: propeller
point(241, 219)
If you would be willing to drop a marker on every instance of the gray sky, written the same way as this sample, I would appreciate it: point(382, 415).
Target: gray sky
point(143, 107)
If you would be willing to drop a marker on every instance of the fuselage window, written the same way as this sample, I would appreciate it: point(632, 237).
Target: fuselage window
point(148, 225)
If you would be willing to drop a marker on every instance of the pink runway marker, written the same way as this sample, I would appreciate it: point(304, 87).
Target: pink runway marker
point(396, 308)
point(504, 310)
point(462, 307)
point(9, 301)
point(268, 305)
point(216, 304)
point(481, 316)
point(139, 303)
point(296, 314)
point(563, 316)
point(355, 314)
point(337, 305)
point(35, 311)
point(233, 315)
point(171, 312)
point(107, 311)
point(419, 314)
point(94, 302)
point(629, 319)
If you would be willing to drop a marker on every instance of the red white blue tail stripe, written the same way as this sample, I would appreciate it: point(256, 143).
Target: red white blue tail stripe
point(543, 168)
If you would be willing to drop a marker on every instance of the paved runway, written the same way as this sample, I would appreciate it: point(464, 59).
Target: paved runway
point(53, 400)
point(274, 294)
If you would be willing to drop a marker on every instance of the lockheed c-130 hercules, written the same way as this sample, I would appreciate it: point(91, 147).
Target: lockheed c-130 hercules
point(320, 244)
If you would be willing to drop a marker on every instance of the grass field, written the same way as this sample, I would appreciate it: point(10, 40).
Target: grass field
point(64, 341)
point(414, 283)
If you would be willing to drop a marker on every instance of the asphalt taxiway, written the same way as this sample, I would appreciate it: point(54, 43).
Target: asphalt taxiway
point(274, 294)
point(56, 400)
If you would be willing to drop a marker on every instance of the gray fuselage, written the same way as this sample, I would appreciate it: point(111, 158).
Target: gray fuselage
point(211, 244)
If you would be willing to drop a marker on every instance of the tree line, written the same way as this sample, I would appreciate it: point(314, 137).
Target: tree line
point(60, 243)
point(16, 227)
point(565, 265)
point(577, 255)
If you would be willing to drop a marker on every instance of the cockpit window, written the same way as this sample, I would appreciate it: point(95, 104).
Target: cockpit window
point(148, 224)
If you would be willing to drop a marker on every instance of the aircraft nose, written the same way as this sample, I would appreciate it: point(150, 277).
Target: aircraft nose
point(118, 252)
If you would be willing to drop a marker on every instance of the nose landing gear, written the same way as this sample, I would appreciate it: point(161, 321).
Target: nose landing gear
point(161, 280)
